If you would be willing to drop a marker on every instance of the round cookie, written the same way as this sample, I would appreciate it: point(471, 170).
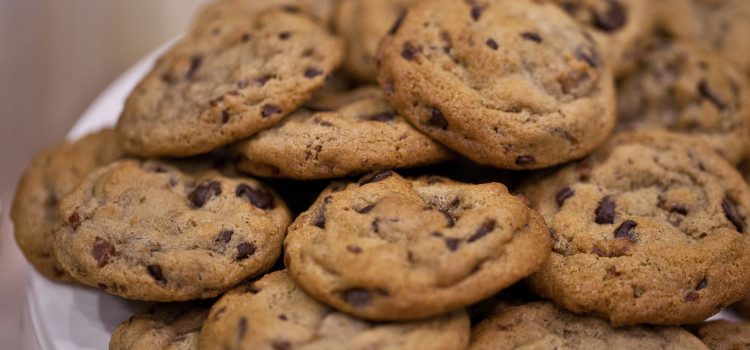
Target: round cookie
point(651, 228)
point(230, 77)
point(516, 84)
point(148, 231)
point(388, 248)
point(720, 25)
point(173, 326)
point(723, 334)
point(274, 313)
point(362, 23)
point(619, 26)
point(51, 176)
point(542, 325)
point(682, 87)
point(355, 132)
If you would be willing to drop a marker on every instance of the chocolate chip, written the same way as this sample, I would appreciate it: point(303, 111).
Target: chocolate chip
point(437, 120)
point(102, 251)
point(388, 86)
point(563, 194)
point(434, 180)
point(623, 231)
point(246, 37)
point(451, 244)
point(101, 286)
point(409, 51)
point(260, 81)
point(281, 345)
point(225, 236)
point(532, 36)
point(75, 220)
point(195, 63)
point(312, 72)
point(225, 115)
point(483, 230)
point(284, 35)
point(376, 226)
point(290, 9)
point(283, 317)
point(155, 272)
point(448, 218)
point(679, 208)
point(215, 101)
point(203, 192)
point(476, 11)
point(605, 212)
point(241, 328)
point(219, 312)
point(702, 284)
point(259, 197)
point(354, 248)
point(691, 296)
point(525, 160)
point(708, 93)
point(730, 211)
point(357, 297)
point(269, 110)
point(251, 288)
point(380, 117)
point(376, 177)
point(589, 55)
point(320, 219)
point(491, 43)
point(366, 209)
point(398, 22)
point(244, 250)
point(614, 18)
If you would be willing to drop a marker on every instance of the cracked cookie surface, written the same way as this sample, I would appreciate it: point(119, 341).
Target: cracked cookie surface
point(542, 325)
point(513, 84)
point(345, 134)
point(233, 75)
point(149, 231)
point(388, 248)
point(172, 326)
point(651, 228)
point(682, 87)
point(52, 175)
point(275, 313)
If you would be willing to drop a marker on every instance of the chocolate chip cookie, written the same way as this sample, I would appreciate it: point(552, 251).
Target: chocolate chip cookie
point(680, 86)
point(51, 176)
point(720, 25)
point(345, 134)
point(542, 325)
point(651, 228)
point(172, 326)
point(274, 313)
point(362, 23)
point(149, 231)
point(227, 79)
point(388, 248)
point(516, 84)
point(723, 334)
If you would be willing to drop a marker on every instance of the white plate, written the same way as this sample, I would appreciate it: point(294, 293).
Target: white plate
point(73, 317)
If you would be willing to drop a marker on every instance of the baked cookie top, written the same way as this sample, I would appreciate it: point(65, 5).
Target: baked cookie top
point(344, 134)
point(516, 84)
point(389, 248)
point(619, 26)
point(542, 325)
point(682, 87)
point(362, 23)
point(651, 228)
point(723, 334)
point(720, 25)
point(274, 313)
point(148, 231)
point(230, 77)
point(170, 326)
point(53, 174)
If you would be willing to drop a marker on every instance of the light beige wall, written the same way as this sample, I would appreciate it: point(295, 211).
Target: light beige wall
point(55, 56)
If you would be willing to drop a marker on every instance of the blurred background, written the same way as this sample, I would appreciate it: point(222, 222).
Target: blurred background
point(55, 57)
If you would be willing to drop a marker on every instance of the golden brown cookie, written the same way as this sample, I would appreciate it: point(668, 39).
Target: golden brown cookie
point(172, 326)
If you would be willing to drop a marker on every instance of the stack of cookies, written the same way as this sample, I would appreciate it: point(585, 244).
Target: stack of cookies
point(249, 185)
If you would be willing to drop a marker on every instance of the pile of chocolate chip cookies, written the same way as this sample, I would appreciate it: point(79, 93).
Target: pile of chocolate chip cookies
point(622, 129)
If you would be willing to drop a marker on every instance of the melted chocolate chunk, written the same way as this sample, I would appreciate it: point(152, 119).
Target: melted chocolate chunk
point(225, 236)
point(563, 194)
point(260, 81)
point(102, 251)
point(259, 197)
point(448, 218)
point(380, 117)
point(623, 231)
point(525, 160)
point(366, 209)
point(532, 36)
point(246, 37)
point(702, 284)
point(354, 248)
point(376, 226)
point(225, 115)
point(244, 250)
point(281, 345)
point(613, 19)
point(377, 177)
point(483, 230)
point(476, 11)
point(589, 55)
point(269, 110)
point(397, 24)
point(155, 272)
point(451, 244)
point(730, 211)
point(241, 328)
point(320, 219)
point(679, 208)
point(312, 72)
point(435, 180)
point(605, 212)
point(388, 86)
point(75, 220)
point(357, 297)
point(437, 120)
point(284, 35)
point(491, 43)
point(195, 63)
point(203, 192)
point(410, 51)
point(708, 93)
point(691, 296)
